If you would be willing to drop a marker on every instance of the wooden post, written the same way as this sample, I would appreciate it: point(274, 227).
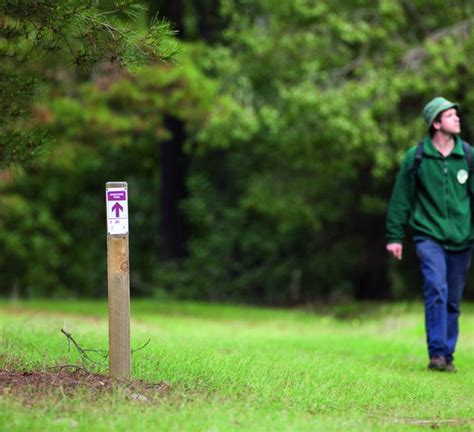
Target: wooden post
point(118, 278)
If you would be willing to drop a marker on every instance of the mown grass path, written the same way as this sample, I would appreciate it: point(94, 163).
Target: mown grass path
point(358, 367)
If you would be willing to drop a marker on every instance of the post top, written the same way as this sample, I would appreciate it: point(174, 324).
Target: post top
point(116, 185)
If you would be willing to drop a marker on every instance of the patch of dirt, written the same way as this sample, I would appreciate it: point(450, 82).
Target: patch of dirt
point(70, 380)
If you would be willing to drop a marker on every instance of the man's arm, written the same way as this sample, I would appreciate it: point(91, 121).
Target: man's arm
point(400, 207)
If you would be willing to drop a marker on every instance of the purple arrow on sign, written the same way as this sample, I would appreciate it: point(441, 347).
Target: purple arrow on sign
point(117, 208)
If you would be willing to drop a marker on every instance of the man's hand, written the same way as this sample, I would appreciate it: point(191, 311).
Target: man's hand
point(395, 249)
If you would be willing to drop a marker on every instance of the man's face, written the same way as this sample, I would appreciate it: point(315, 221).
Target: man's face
point(449, 122)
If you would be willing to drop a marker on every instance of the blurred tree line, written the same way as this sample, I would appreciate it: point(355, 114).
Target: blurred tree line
point(260, 160)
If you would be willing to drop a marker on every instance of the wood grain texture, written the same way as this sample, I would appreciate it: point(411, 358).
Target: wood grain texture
point(119, 302)
point(119, 306)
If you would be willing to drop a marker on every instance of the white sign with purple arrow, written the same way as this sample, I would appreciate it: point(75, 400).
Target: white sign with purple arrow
point(117, 210)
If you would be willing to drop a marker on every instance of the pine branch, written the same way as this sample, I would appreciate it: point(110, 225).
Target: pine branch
point(39, 38)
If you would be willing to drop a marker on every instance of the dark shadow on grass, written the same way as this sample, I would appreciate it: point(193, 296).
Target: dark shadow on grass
point(367, 310)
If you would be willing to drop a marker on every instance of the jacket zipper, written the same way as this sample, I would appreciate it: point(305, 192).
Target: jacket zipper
point(446, 194)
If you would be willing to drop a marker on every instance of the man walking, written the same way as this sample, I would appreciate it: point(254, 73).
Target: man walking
point(432, 195)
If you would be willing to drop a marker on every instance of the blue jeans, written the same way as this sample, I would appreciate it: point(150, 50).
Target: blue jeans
point(444, 273)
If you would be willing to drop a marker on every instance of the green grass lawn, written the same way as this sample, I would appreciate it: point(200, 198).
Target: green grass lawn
point(358, 367)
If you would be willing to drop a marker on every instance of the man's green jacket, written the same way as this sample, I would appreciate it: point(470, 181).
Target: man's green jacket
point(435, 203)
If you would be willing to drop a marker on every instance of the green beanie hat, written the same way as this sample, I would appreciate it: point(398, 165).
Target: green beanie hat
point(434, 107)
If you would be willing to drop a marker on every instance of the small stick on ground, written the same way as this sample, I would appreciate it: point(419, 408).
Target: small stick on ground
point(78, 347)
point(143, 346)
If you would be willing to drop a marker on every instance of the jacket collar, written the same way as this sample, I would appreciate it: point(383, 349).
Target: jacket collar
point(430, 150)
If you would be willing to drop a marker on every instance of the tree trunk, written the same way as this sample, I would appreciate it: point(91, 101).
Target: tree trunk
point(173, 191)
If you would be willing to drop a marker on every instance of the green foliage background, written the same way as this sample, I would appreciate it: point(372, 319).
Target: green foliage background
point(296, 116)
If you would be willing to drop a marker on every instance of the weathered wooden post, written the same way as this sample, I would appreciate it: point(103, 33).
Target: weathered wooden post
point(118, 278)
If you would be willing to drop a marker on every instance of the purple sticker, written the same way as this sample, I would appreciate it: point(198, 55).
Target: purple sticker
point(116, 196)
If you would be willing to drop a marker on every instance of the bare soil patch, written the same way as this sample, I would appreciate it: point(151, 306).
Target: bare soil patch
point(70, 380)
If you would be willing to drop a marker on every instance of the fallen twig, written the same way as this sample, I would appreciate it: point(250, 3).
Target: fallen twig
point(105, 353)
point(60, 367)
point(143, 346)
point(78, 347)
point(434, 421)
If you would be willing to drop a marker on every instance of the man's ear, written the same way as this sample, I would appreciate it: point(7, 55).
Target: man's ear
point(436, 125)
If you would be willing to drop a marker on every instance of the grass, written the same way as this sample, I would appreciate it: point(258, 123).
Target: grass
point(357, 367)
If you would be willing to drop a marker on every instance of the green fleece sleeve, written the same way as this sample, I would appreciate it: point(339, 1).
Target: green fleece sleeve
point(471, 195)
point(401, 202)
point(471, 178)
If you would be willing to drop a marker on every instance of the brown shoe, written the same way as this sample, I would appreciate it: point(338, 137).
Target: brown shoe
point(437, 363)
point(450, 367)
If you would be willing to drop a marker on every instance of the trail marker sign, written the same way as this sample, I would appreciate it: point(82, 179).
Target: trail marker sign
point(117, 209)
point(118, 279)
